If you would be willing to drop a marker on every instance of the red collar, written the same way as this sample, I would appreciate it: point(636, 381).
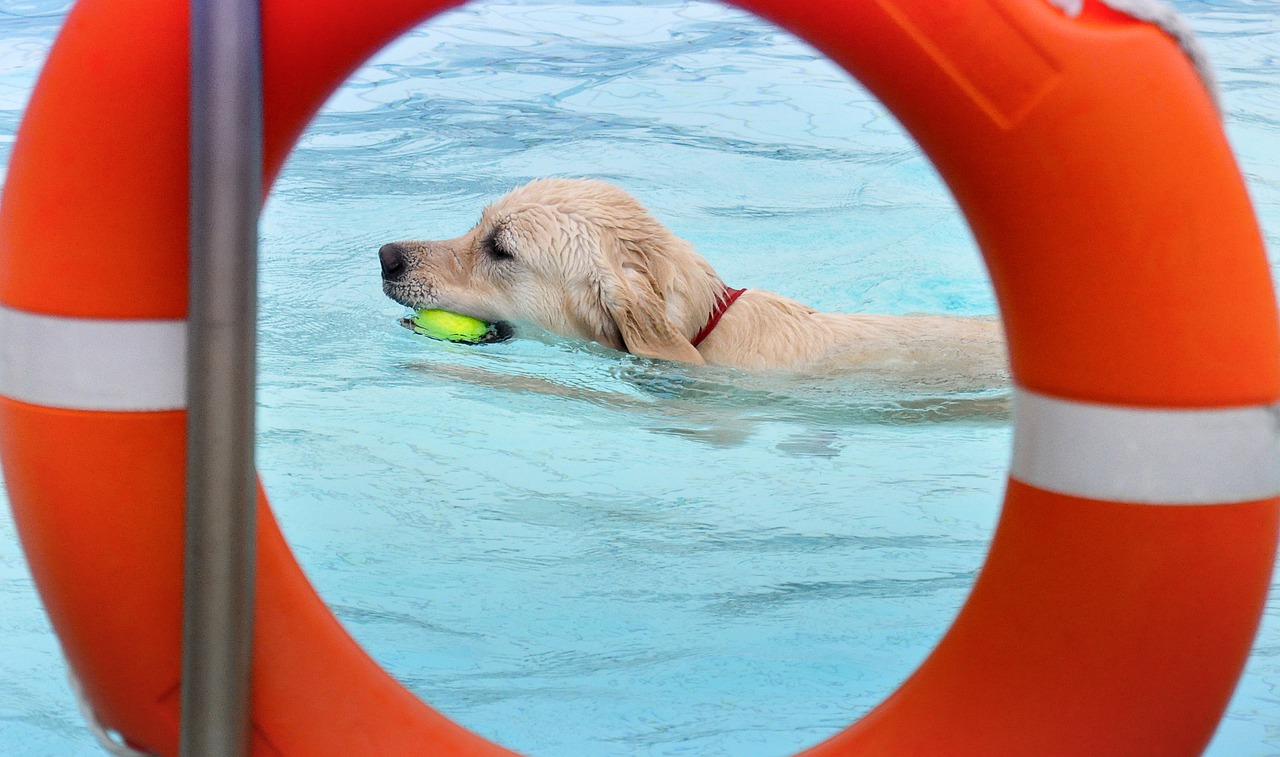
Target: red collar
point(726, 298)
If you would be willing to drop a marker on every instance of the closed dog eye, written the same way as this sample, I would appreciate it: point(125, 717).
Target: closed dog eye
point(496, 248)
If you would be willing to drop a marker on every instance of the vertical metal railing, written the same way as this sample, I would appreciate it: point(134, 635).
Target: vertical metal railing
point(226, 189)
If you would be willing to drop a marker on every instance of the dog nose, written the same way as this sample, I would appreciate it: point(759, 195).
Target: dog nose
point(392, 259)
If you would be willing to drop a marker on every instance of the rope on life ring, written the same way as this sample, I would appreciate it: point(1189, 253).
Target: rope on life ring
point(1166, 17)
point(1129, 569)
point(110, 742)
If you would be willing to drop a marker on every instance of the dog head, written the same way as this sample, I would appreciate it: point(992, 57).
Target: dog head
point(577, 257)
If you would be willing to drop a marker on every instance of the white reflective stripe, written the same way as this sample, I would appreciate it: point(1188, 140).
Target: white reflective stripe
point(1146, 456)
point(92, 364)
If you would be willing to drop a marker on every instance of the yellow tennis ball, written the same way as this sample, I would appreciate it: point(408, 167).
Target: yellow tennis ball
point(448, 326)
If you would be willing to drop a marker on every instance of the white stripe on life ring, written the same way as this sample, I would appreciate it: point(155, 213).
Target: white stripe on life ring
point(93, 364)
point(1144, 455)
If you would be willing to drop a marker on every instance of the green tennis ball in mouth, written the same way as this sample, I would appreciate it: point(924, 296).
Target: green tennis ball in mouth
point(451, 327)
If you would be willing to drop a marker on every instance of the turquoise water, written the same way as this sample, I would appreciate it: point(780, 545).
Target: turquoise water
point(581, 553)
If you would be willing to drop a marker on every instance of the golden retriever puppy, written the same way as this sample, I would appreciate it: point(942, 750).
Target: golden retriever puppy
point(584, 259)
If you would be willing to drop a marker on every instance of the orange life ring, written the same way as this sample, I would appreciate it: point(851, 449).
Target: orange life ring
point(1129, 568)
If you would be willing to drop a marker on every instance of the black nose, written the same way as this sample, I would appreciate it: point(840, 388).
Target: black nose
point(392, 258)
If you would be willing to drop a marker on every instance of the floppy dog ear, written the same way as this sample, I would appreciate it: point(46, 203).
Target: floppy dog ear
point(632, 298)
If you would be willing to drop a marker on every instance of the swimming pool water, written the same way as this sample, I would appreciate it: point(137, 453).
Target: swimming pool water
point(575, 552)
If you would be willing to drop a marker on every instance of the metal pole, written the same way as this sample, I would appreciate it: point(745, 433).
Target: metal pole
point(226, 189)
